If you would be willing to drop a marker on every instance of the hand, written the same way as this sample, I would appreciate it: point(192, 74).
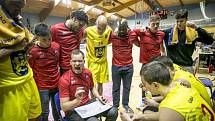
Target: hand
point(192, 25)
point(134, 117)
point(79, 94)
point(125, 117)
point(157, 98)
point(21, 45)
point(141, 85)
point(31, 44)
point(33, 41)
point(138, 117)
point(151, 102)
point(102, 99)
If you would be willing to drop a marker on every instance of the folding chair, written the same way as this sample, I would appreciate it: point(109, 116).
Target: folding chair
point(207, 82)
point(57, 103)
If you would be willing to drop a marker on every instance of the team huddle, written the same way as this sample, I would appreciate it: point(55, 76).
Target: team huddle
point(34, 68)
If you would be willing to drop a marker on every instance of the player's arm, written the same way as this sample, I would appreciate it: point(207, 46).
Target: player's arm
point(136, 37)
point(6, 51)
point(162, 49)
point(31, 58)
point(111, 37)
point(154, 116)
point(96, 94)
point(67, 104)
point(158, 98)
point(203, 35)
point(133, 38)
point(147, 117)
point(167, 114)
point(83, 39)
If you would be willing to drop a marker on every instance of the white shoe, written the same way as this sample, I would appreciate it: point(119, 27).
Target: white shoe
point(140, 106)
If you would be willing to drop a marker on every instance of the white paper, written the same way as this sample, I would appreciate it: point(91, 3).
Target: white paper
point(92, 109)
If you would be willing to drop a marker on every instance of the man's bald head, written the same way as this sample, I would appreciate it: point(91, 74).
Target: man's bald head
point(101, 24)
point(101, 20)
point(13, 7)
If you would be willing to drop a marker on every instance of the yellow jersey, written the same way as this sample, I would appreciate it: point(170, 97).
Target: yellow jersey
point(97, 44)
point(14, 69)
point(195, 83)
point(188, 103)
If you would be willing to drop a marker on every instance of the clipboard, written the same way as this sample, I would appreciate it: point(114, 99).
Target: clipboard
point(92, 109)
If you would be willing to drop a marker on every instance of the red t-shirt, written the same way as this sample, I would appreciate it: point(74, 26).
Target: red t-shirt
point(45, 65)
point(149, 44)
point(69, 82)
point(122, 49)
point(67, 40)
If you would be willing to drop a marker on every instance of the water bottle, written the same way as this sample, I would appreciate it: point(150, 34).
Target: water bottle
point(148, 94)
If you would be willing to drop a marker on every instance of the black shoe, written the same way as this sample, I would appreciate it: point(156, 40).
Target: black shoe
point(128, 109)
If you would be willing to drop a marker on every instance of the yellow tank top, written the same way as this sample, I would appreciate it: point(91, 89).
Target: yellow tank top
point(97, 44)
point(188, 103)
point(195, 83)
point(14, 69)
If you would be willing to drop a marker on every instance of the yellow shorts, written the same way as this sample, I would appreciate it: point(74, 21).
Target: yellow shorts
point(20, 102)
point(99, 72)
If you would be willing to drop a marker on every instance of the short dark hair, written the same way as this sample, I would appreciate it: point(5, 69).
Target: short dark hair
point(123, 28)
point(123, 23)
point(165, 60)
point(41, 29)
point(77, 52)
point(156, 72)
point(183, 13)
point(154, 17)
point(80, 15)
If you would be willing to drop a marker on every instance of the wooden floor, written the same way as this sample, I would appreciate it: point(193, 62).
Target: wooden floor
point(135, 94)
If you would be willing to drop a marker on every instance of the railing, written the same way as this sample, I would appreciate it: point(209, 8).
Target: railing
point(200, 23)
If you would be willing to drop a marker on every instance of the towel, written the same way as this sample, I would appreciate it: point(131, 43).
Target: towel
point(191, 35)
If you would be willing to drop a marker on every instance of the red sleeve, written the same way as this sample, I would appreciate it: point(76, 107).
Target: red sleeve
point(133, 37)
point(91, 78)
point(81, 34)
point(63, 85)
point(31, 58)
point(137, 31)
point(53, 33)
point(111, 37)
point(160, 33)
point(59, 50)
point(90, 81)
point(163, 35)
